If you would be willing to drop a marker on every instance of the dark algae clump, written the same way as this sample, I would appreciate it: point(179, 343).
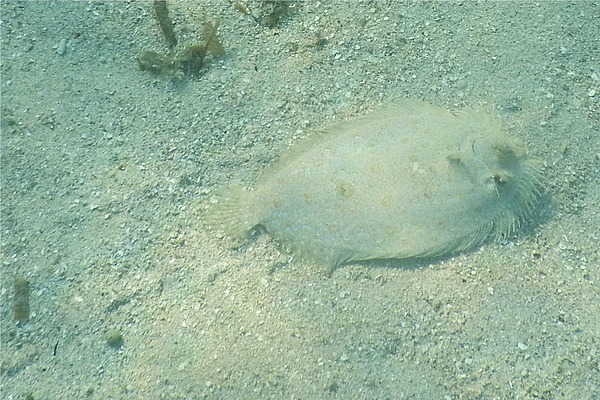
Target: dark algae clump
point(157, 63)
point(191, 58)
point(268, 13)
point(21, 299)
point(114, 338)
point(162, 15)
point(187, 61)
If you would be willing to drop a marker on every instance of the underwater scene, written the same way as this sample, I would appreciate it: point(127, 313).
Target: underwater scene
point(251, 199)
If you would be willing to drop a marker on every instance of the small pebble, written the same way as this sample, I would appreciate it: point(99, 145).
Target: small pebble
point(61, 49)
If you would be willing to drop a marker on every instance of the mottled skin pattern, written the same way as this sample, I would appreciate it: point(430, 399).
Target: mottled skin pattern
point(410, 180)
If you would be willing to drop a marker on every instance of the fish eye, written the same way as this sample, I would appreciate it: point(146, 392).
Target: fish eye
point(501, 178)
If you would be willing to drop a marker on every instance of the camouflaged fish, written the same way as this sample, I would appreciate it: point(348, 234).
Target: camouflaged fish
point(409, 180)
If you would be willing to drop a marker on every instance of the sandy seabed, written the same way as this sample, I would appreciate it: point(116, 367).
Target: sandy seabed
point(105, 169)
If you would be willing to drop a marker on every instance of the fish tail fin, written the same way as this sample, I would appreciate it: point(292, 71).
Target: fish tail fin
point(229, 212)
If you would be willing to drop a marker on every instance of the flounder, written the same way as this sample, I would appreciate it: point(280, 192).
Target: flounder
point(410, 180)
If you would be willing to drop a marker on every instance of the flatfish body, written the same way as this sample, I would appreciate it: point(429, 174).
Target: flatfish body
point(409, 180)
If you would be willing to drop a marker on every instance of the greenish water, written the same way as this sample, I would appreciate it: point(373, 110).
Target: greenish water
point(113, 288)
